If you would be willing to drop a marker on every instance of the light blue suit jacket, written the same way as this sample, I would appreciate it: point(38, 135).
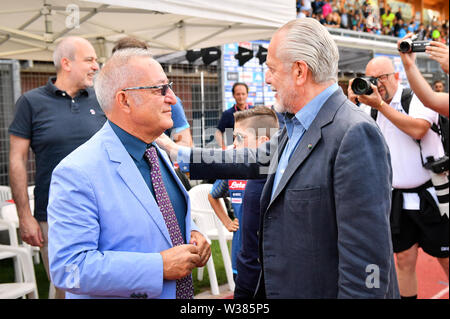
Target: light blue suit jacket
point(106, 231)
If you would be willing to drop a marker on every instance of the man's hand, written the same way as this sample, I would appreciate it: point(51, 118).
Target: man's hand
point(30, 231)
point(439, 52)
point(168, 145)
point(179, 261)
point(204, 249)
point(373, 100)
point(233, 225)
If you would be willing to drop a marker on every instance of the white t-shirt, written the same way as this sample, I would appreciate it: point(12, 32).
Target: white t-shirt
point(407, 168)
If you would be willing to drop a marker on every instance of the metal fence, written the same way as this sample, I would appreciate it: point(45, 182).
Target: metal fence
point(199, 88)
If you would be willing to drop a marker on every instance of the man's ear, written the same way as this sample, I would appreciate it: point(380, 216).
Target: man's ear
point(300, 71)
point(66, 64)
point(262, 139)
point(123, 102)
point(397, 76)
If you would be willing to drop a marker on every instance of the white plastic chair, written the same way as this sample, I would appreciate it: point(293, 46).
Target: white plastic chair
point(31, 192)
point(26, 288)
point(8, 214)
point(211, 226)
point(11, 228)
point(5, 193)
point(199, 221)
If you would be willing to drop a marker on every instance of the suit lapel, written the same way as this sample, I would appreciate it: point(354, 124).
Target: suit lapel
point(133, 179)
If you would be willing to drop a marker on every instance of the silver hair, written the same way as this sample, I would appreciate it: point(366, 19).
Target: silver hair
point(309, 41)
point(116, 74)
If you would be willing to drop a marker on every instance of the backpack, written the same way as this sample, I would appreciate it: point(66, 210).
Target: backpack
point(442, 129)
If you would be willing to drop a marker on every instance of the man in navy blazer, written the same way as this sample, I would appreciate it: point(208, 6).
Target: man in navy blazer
point(324, 229)
point(107, 235)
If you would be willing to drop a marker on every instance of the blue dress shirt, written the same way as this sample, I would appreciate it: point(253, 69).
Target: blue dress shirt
point(136, 148)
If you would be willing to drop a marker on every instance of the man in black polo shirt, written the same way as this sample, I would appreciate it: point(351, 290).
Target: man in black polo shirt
point(54, 120)
point(222, 135)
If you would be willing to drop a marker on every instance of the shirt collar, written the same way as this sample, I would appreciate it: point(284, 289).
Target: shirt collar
point(134, 146)
point(397, 99)
point(309, 112)
point(52, 89)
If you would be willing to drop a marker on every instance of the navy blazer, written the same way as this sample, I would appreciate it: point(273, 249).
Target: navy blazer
point(325, 233)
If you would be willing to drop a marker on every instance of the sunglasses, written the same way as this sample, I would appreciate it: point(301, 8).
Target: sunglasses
point(163, 88)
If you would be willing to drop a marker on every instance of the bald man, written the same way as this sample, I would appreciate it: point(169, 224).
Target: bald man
point(415, 217)
point(53, 120)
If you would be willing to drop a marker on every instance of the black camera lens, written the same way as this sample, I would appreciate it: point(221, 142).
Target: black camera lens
point(361, 86)
point(405, 46)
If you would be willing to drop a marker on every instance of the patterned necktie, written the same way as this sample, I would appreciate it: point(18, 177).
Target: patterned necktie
point(185, 289)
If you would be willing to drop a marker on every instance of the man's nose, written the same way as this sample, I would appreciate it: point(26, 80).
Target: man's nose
point(170, 97)
point(379, 84)
point(268, 77)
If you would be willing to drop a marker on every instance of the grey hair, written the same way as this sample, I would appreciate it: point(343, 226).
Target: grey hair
point(64, 49)
point(309, 41)
point(116, 74)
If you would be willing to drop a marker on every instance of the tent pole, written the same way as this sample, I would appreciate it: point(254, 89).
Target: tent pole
point(202, 92)
point(8, 53)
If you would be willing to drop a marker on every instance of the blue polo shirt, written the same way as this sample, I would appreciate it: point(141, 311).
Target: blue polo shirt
point(56, 124)
point(136, 148)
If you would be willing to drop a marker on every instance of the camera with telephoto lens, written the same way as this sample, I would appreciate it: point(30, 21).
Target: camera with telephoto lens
point(408, 45)
point(361, 86)
point(439, 178)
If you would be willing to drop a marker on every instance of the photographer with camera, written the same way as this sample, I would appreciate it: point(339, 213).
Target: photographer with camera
point(437, 51)
point(415, 216)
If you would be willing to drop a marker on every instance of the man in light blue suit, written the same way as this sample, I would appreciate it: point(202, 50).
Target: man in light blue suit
point(108, 233)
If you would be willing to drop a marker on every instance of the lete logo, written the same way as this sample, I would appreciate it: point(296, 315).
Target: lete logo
point(237, 185)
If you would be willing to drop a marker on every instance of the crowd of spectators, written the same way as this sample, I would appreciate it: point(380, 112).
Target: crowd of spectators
point(363, 17)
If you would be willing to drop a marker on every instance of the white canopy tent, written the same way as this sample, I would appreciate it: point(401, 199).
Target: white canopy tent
point(29, 29)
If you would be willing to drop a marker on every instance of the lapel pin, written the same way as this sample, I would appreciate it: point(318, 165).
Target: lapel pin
point(309, 146)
